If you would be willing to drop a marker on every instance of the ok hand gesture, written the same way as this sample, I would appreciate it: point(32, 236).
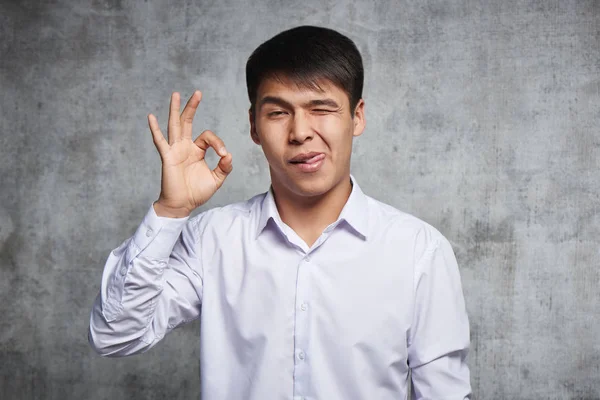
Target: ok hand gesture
point(187, 181)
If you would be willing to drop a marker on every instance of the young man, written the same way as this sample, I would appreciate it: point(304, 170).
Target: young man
point(312, 290)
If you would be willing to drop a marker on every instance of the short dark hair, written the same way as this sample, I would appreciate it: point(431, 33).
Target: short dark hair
point(305, 55)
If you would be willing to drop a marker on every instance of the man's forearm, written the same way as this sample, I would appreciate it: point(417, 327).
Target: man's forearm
point(151, 284)
point(124, 308)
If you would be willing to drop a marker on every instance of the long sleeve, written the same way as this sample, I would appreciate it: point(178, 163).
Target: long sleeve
point(150, 284)
point(439, 338)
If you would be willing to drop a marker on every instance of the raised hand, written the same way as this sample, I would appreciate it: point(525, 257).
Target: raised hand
point(187, 181)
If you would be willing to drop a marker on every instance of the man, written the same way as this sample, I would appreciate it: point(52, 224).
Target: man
point(312, 290)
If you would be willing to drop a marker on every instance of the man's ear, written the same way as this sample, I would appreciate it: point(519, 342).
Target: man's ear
point(359, 118)
point(253, 133)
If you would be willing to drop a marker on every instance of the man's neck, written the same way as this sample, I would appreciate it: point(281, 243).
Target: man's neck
point(309, 216)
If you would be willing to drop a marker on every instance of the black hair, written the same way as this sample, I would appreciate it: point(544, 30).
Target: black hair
point(306, 55)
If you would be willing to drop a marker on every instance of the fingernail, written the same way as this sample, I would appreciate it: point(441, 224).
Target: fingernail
point(223, 151)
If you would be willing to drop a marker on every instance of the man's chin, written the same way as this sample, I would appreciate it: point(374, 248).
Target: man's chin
point(314, 185)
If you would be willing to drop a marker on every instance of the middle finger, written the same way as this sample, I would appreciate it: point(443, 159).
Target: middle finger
point(187, 116)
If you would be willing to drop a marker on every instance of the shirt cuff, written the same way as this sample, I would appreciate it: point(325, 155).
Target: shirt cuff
point(156, 236)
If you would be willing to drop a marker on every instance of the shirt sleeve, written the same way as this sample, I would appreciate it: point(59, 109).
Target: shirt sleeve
point(151, 284)
point(439, 336)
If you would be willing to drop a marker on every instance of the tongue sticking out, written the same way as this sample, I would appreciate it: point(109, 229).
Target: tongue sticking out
point(312, 160)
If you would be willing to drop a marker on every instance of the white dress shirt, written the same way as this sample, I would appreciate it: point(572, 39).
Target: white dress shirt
point(378, 293)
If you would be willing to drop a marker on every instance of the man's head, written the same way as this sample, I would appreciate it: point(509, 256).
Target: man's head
point(305, 56)
point(305, 89)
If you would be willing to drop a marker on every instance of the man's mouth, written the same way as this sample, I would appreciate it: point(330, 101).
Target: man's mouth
point(307, 158)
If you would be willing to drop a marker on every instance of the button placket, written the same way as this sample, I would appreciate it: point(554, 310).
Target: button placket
point(302, 327)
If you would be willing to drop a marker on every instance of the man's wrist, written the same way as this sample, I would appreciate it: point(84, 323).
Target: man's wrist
point(164, 211)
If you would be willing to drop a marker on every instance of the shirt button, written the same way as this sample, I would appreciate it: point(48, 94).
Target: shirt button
point(307, 259)
point(149, 232)
point(301, 355)
point(124, 271)
point(304, 307)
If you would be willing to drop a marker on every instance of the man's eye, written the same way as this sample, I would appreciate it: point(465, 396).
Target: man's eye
point(321, 110)
point(276, 113)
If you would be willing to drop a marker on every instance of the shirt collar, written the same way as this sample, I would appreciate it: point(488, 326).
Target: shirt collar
point(354, 212)
point(268, 210)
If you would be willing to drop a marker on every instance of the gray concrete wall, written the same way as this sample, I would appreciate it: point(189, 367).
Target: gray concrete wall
point(483, 118)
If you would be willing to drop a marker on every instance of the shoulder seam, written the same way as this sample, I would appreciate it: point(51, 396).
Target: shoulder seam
point(431, 248)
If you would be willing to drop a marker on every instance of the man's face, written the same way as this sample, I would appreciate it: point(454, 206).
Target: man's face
point(306, 135)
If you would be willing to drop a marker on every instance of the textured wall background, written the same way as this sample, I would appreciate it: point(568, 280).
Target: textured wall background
point(483, 119)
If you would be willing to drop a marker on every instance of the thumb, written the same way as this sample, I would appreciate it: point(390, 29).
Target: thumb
point(223, 168)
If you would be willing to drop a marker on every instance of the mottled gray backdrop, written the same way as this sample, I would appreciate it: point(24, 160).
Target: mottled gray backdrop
point(483, 118)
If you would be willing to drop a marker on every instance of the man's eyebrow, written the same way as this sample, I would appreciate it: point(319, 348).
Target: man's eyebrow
point(323, 102)
point(278, 101)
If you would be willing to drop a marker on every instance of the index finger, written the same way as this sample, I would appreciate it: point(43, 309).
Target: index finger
point(209, 139)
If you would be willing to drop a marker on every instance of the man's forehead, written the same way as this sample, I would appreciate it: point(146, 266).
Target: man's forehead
point(286, 87)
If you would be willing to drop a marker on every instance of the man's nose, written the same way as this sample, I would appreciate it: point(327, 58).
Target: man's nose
point(301, 129)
